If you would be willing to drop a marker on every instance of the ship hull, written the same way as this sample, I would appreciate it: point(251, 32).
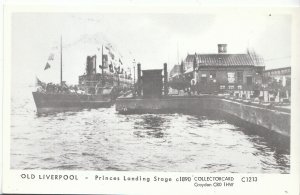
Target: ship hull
point(56, 102)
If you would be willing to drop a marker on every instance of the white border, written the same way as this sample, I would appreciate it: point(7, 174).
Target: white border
point(268, 183)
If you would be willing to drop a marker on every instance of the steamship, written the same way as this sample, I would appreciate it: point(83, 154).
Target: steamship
point(94, 90)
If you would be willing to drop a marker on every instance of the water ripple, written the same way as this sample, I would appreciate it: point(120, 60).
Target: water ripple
point(102, 139)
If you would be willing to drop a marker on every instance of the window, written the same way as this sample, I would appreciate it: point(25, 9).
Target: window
point(222, 86)
point(230, 86)
point(212, 75)
point(231, 77)
point(239, 87)
point(240, 77)
point(249, 80)
point(203, 79)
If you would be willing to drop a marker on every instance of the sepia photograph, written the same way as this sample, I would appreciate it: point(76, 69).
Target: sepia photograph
point(159, 92)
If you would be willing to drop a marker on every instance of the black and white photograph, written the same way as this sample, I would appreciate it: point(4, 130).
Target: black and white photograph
point(159, 92)
point(150, 92)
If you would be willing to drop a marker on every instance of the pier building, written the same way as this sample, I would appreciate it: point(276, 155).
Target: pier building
point(224, 72)
point(279, 82)
point(153, 96)
point(280, 75)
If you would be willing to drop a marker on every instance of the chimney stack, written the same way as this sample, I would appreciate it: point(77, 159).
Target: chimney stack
point(222, 48)
point(139, 81)
point(166, 89)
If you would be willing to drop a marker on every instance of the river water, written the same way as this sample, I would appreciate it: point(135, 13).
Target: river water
point(101, 139)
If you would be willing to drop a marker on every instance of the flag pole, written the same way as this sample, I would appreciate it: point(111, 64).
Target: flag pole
point(61, 81)
point(177, 53)
point(102, 69)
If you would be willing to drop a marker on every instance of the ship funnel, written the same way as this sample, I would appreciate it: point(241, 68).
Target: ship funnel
point(91, 65)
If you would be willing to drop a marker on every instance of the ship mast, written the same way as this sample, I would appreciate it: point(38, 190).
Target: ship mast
point(61, 73)
point(102, 68)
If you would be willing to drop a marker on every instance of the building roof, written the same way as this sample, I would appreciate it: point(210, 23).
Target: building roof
point(285, 71)
point(174, 75)
point(189, 70)
point(175, 70)
point(222, 59)
point(275, 69)
point(176, 67)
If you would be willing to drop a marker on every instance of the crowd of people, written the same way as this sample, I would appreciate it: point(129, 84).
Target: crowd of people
point(57, 88)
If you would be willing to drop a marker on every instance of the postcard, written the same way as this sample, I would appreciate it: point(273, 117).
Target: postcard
point(150, 100)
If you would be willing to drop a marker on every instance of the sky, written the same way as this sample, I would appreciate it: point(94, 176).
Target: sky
point(151, 39)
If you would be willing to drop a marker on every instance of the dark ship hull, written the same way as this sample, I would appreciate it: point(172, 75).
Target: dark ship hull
point(56, 102)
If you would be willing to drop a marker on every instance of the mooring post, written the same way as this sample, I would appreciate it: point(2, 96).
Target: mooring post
point(166, 88)
point(139, 74)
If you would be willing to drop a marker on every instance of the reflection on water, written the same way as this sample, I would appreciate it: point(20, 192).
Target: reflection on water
point(101, 139)
point(151, 125)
